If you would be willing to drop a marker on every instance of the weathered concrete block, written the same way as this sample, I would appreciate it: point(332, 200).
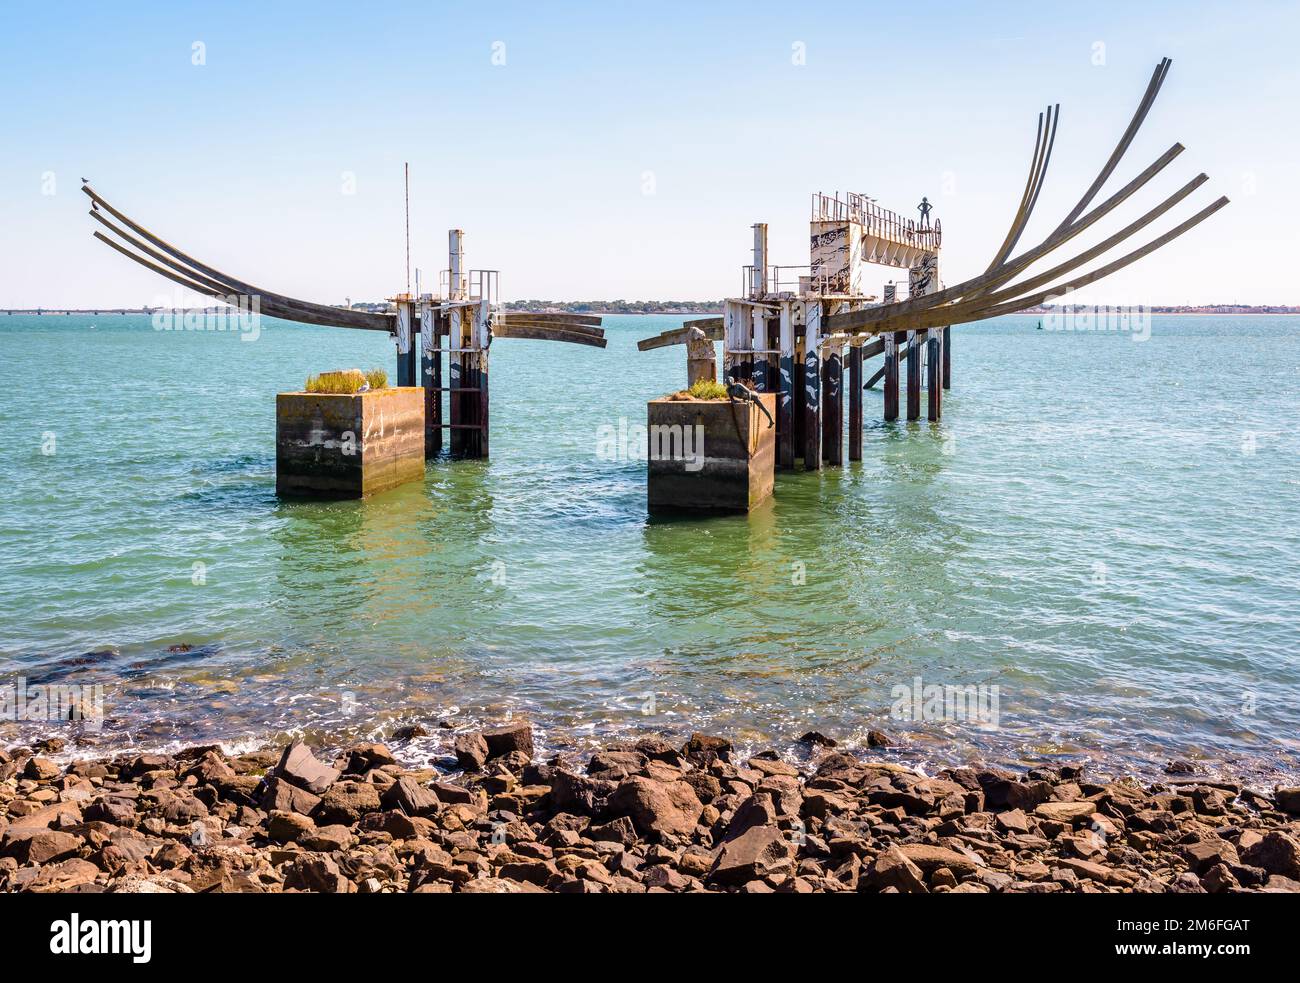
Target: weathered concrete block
point(710, 455)
point(348, 446)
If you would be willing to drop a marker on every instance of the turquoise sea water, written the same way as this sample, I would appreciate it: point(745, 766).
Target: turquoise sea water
point(1105, 530)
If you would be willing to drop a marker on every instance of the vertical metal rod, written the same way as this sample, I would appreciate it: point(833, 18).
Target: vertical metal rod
point(407, 170)
point(913, 377)
point(833, 407)
point(933, 384)
point(785, 403)
point(812, 384)
point(891, 376)
point(855, 402)
point(947, 358)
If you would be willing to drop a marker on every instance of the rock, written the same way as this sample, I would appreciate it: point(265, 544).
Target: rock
point(363, 757)
point(411, 797)
point(287, 827)
point(41, 769)
point(300, 767)
point(316, 872)
point(327, 839)
point(1219, 880)
point(660, 808)
point(1276, 853)
point(760, 852)
point(409, 732)
point(818, 738)
point(580, 792)
point(893, 869)
point(471, 751)
point(878, 738)
point(769, 767)
point(1208, 853)
point(515, 736)
point(1288, 800)
point(1180, 767)
point(1013, 821)
point(346, 803)
point(614, 766)
point(38, 846)
point(1065, 812)
point(282, 796)
point(702, 748)
point(930, 858)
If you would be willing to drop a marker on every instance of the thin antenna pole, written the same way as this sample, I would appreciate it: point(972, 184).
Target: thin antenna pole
point(407, 168)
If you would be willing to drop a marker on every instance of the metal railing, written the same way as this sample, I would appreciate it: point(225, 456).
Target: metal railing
point(876, 220)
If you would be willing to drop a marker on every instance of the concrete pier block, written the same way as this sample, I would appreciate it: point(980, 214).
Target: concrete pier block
point(710, 455)
point(348, 446)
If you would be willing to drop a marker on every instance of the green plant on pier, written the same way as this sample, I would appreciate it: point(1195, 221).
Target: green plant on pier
point(708, 389)
point(346, 381)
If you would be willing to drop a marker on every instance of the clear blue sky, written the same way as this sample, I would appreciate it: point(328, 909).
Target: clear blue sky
point(544, 160)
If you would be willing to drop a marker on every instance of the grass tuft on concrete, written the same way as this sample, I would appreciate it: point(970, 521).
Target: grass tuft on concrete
point(346, 381)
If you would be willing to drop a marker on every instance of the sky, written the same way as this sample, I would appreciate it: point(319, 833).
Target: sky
point(609, 150)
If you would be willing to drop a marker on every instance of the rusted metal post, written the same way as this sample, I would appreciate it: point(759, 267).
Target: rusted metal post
point(933, 383)
point(482, 338)
point(891, 376)
point(913, 377)
point(855, 402)
point(812, 388)
point(947, 358)
point(431, 376)
point(833, 406)
point(758, 343)
point(785, 402)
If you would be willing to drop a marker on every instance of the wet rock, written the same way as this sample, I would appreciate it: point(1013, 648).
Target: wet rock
point(817, 738)
point(471, 751)
point(409, 732)
point(514, 736)
point(298, 766)
point(1180, 766)
point(878, 738)
point(1288, 800)
point(364, 757)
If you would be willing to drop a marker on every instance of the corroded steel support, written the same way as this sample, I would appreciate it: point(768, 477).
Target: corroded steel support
point(785, 440)
point(913, 377)
point(933, 383)
point(947, 358)
point(890, 372)
point(833, 406)
point(812, 390)
point(855, 402)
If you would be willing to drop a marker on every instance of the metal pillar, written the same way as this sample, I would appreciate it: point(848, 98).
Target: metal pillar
point(431, 376)
point(933, 370)
point(891, 374)
point(913, 377)
point(833, 406)
point(812, 385)
point(785, 403)
point(855, 402)
point(947, 358)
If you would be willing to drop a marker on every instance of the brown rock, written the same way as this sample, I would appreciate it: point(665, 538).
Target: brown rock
point(930, 858)
point(300, 767)
point(760, 852)
point(287, 827)
point(1066, 812)
point(346, 803)
point(471, 751)
point(818, 738)
point(878, 738)
point(285, 797)
point(327, 839)
point(894, 869)
point(1276, 853)
point(1288, 800)
point(316, 872)
point(411, 797)
point(38, 846)
point(41, 769)
point(515, 736)
point(658, 807)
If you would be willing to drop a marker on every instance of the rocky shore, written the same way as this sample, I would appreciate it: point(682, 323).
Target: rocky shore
point(648, 816)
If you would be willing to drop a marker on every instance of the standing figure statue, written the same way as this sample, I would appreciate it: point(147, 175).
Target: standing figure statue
point(924, 209)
